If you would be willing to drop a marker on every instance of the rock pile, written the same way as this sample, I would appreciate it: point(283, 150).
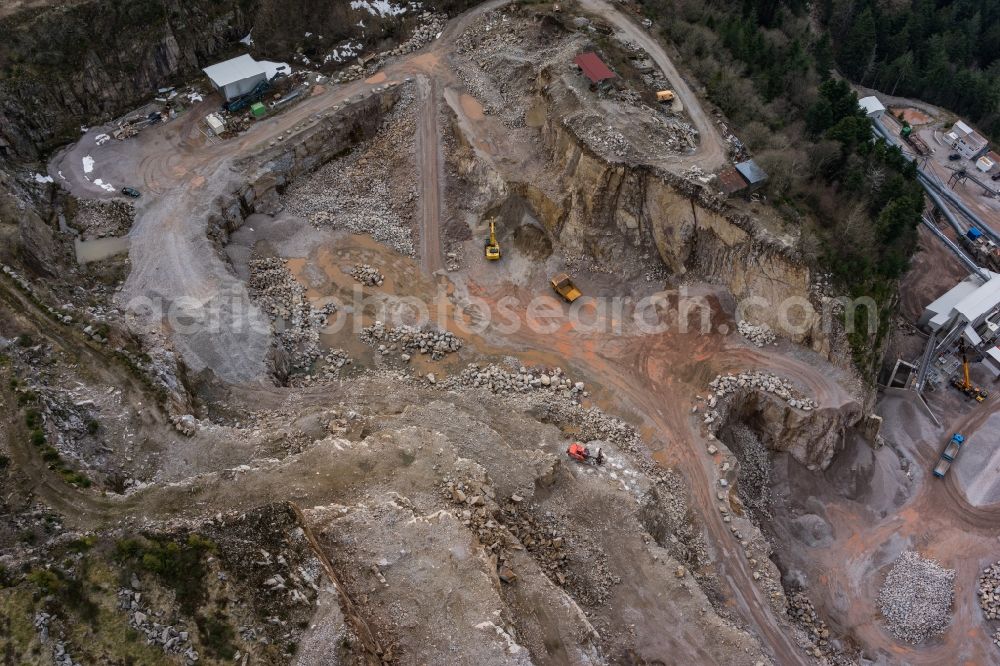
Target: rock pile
point(171, 639)
point(758, 335)
point(724, 385)
point(59, 654)
point(989, 592)
point(754, 470)
point(98, 218)
point(366, 274)
point(296, 322)
point(604, 139)
point(497, 380)
point(404, 339)
point(360, 192)
point(500, 524)
point(802, 613)
point(916, 598)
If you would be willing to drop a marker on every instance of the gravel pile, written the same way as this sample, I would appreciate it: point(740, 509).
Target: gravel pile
point(98, 219)
point(410, 339)
point(358, 192)
point(916, 598)
point(758, 335)
point(500, 381)
point(296, 322)
point(366, 274)
point(754, 470)
point(989, 592)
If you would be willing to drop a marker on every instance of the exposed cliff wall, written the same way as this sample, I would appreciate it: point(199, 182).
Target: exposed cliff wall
point(320, 140)
point(615, 211)
point(67, 64)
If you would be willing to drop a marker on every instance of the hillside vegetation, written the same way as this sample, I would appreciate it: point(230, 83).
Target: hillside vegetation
point(946, 52)
point(856, 200)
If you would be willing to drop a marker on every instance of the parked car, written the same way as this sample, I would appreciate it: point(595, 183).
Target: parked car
point(131, 192)
point(996, 176)
point(954, 156)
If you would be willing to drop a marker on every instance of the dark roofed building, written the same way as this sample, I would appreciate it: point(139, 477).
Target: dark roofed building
point(731, 182)
point(752, 173)
point(593, 67)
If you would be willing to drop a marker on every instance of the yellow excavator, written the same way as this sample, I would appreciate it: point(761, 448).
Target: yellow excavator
point(492, 246)
point(963, 383)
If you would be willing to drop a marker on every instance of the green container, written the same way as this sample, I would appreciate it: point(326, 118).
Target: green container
point(258, 110)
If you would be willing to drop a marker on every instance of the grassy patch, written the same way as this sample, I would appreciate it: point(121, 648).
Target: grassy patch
point(180, 565)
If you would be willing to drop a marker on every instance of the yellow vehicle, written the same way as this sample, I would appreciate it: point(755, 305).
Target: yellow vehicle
point(565, 288)
point(964, 383)
point(665, 96)
point(492, 246)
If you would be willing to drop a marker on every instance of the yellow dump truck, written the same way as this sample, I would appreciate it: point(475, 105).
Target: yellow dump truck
point(665, 96)
point(565, 288)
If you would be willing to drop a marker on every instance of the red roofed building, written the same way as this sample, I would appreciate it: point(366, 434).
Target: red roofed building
point(593, 67)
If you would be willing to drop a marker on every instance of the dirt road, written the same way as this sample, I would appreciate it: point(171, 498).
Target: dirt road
point(431, 174)
point(711, 153)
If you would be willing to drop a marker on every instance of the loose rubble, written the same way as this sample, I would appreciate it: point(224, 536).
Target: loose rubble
point(758, 335)
point(359, 193)
point(388, 340)
point(429, 27)
point(916, 598)
point(802, 613)
point(97, 218)
point(989, 592)
point(296, 322)
point(366, 274)
point(497, 380)
point(172, 639)
point(724, 385)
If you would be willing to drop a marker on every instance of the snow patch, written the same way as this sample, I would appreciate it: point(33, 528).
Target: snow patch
point(41, 180)
point(105, 186)
point(379, 7)
point(344, 52)
point(272, 69)
point(88, 164)
point(248, 40)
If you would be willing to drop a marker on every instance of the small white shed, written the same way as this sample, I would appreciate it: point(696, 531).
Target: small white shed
point(871, 106)
point(236, 77)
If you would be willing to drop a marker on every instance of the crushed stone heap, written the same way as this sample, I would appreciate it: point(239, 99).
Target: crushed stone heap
point(410, 339)
point(758, 335)
point(366, 274)
point(916, 598)
point(989, 591)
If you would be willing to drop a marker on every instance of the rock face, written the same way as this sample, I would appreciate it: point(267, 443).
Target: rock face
point(69, 64)
point(89, 61)
point(812, 437)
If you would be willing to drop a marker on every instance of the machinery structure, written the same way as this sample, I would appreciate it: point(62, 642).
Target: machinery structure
point(948, 455)
point(581, 453)
point(962, 382)
point(565, 288)
point(492, 246)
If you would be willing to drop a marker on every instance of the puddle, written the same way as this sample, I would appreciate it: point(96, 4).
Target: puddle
point(100, 248)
